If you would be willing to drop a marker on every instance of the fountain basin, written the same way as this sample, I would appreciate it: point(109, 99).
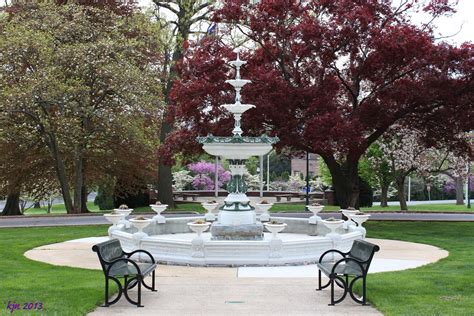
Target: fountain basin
point(237, 151)
point(172, 243)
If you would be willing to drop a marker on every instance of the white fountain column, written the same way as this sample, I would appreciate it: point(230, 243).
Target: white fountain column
point(237, 209)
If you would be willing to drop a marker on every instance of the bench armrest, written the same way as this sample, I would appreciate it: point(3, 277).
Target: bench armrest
point(129, 254)
point(111, 264)
point(345, 260)
point(343, 254)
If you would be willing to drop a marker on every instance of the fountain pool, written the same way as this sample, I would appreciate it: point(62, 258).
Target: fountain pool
point(238, 236)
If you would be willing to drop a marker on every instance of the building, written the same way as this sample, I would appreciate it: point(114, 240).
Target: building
point(298, 165)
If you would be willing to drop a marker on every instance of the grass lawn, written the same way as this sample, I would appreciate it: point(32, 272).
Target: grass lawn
point(61, 290)
point(300, 207)
point(60, 209)
point(442, 288)
point(377, 208)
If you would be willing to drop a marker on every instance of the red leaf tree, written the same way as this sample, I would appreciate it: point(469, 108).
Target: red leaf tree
point(329, 77)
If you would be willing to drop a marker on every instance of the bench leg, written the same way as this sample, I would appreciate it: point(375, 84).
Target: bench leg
point(278, 199)
point(319, 280)
point(288, 199)
point(332, 292)
point(153, 282)
point(334, 279)
point(185, 198)
point(152, 287)
point(195, 198)
point(320, 286)
point(139, 302)
point(106, 301)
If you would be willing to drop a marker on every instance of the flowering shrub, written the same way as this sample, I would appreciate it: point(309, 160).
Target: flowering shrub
point(450, 186)
point(253, 181)
point(204, 173)
point(181, 179)
point(295, 183)
point(278, 185)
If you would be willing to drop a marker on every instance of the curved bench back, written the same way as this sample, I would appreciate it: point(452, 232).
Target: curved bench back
point(363, 251)
point(108, 251)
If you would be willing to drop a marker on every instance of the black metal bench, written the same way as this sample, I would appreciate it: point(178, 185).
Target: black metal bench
point(118, 264)
point(354, 264)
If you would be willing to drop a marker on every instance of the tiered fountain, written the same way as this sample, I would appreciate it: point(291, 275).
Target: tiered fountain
point(237, 219)
point(237, 237)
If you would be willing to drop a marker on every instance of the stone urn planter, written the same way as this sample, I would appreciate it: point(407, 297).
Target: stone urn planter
point(124, 210)
point(158, 208)
point(199, 227)
point(333, 225)
point(360, 218)
point(115, 219)
point(348, 213)
point(262, 210)
point(275, 228)
point(140, 223)
point(210, 207)
point(315, 209)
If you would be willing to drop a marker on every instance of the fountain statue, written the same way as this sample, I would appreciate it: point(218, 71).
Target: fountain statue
point(236, 218)
point(237, 237)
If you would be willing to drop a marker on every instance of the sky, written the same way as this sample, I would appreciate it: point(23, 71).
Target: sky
point(461, 24)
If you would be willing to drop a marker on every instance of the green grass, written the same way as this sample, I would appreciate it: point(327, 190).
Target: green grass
point(63, 291)
point(376, 208)
point(442, 288)
point(60, 209)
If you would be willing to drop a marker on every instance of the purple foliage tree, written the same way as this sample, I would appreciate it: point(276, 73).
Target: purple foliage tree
point(204, 173)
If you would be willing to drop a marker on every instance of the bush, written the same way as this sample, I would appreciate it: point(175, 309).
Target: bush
point(104, 199)
point(366, 194)
point(133, 200)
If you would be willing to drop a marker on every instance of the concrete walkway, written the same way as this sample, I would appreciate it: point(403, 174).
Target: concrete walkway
point(286, 290)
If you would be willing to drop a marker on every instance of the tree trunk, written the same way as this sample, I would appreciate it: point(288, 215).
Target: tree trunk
point(400, 182)
point(459, 191)
point(384, 195)
point(345, 180)
point(12, 206)
point(78, 183)
point(61, 174)
point(85, 193)
point(165, 177)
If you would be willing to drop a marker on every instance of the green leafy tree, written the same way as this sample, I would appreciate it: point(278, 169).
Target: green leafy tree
point(84, 81)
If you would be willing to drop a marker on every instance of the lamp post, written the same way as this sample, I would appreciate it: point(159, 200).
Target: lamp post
point(307, 178)
point(468, 185)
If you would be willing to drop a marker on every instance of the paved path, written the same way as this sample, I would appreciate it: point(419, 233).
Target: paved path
point(77, 220)
point(284, 290)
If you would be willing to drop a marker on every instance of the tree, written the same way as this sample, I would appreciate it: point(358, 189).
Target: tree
point(404, 152)
point(329, 77)
point(75, 76)
point(380, 170)
point(204, 175)
point(24, 166)
point(186, 16)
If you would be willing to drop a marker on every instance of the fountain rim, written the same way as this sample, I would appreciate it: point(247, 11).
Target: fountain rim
point(237, 139)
